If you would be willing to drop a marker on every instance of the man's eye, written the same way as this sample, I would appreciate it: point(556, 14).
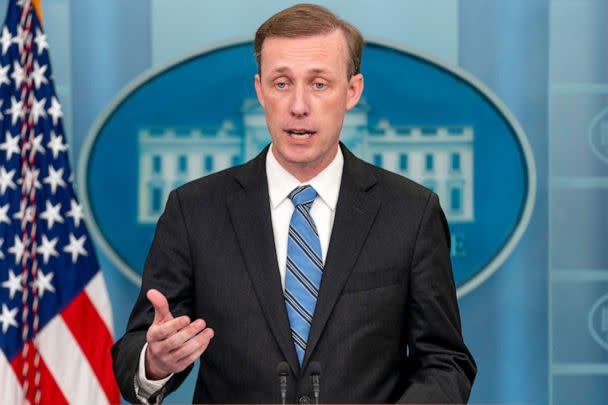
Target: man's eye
point(280, 85)
point(320, 86)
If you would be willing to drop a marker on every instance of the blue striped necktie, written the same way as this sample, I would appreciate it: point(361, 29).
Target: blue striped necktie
point(304, 267)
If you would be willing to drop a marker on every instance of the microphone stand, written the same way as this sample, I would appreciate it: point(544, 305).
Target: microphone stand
point(315, 373)
point(283, 372)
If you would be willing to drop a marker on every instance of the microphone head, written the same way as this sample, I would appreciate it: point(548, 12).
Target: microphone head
point(283, 369)
point(315, 368)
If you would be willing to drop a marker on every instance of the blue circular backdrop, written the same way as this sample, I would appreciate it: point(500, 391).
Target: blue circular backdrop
point(408, 90)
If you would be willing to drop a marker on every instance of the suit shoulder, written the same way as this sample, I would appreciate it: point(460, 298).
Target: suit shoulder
point(399, 186)
point(212, 185)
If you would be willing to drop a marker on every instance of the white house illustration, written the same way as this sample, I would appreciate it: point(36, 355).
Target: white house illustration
point(439, 157)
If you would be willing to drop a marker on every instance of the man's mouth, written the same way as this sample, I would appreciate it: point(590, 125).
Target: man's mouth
point(300, 133)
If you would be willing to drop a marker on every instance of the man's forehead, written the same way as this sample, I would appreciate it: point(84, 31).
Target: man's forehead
point(336, 36)
point(314, 53)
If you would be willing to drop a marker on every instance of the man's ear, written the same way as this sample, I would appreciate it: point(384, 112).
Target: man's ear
point(355, 89)
point(258, 89)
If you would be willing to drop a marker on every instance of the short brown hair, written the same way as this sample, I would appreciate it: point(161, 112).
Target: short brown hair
point(304, 20)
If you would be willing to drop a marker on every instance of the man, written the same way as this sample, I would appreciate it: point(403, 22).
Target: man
point(304, 255)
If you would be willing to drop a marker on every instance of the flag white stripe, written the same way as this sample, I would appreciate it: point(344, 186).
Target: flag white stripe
point(98, 294)
point(10, 389)
point(68, 364)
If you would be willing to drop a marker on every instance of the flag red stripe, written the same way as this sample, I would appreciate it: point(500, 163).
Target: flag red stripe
point(95, 341)
point(49, 390)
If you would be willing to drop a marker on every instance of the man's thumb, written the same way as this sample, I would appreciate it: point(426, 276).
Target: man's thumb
point(161, 306)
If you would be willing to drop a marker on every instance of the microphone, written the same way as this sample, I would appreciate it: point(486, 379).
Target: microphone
point(315, 373)
point(282, 373)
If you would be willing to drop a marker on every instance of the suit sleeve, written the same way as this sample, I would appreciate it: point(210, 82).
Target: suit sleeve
point(168, 268)
point(444, 368)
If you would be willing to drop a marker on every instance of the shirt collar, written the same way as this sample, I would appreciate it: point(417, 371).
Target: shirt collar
point(326, 183)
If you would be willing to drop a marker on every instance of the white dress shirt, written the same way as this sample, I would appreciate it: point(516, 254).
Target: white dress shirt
point(280, 184)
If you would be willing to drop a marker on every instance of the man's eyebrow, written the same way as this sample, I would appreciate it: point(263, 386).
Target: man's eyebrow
point(281, 69)
point(285, 69)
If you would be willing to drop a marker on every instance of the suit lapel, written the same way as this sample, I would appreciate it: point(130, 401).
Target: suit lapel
point(250, 212)
point(355, 213)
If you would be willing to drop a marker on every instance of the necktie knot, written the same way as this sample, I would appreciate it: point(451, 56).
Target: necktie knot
point(303, 195)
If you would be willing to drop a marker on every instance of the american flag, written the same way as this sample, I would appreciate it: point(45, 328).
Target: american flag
point(55, 315)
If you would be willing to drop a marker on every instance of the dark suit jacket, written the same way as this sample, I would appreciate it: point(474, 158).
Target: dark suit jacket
point(386, 326)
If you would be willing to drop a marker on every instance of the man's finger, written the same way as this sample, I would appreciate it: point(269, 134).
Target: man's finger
point(197, 344)
point(201, 344)
point(179, 338)
point(160, 304)
point(162, 331)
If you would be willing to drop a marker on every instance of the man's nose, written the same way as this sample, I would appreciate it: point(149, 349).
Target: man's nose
point(300, 106)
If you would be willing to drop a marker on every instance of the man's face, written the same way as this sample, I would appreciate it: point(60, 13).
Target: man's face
point(305, 91)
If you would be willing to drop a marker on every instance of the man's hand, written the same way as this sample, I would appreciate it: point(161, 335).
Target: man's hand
point(173, 343)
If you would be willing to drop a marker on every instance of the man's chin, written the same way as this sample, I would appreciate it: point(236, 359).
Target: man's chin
point(298, 159)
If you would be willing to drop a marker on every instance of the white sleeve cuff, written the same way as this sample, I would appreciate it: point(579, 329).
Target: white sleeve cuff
point(144, 388)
